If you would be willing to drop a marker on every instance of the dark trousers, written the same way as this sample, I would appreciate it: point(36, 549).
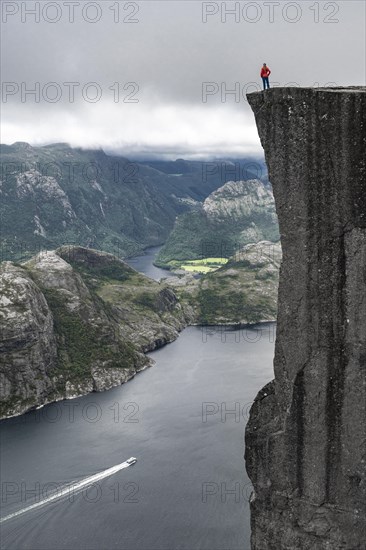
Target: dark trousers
point(265, 82)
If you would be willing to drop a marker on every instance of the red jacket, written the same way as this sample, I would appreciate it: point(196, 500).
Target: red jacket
point(265, 72)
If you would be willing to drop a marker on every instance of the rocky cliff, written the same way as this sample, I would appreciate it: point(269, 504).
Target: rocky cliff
point(76, 320)
point(306, 436)
point(236, 214)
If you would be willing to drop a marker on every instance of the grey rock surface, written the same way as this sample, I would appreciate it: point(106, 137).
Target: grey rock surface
point(306, 436)
point(27, 344)
point(77, 320)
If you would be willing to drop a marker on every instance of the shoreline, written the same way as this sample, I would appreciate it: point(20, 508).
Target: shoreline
point(131, 375)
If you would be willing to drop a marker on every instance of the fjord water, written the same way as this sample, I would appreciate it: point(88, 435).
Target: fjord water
point(183, 419)
point(145, 265)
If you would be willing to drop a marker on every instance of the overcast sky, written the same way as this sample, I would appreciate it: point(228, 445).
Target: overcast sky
point(149, 62)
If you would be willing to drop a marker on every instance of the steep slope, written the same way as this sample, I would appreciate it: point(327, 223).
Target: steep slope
point(243, 291)
point(28, 343)
point(74, 321)
point(305, 440)
point(55, 195)
point(234, 215)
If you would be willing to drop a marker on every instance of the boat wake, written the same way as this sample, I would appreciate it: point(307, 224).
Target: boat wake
point(72, 488)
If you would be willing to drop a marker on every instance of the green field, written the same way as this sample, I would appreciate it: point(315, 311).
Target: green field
point(203, 265)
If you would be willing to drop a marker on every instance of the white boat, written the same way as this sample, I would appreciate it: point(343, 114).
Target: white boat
point(131, 460)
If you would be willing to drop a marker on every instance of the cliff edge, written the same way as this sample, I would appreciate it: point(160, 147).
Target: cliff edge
point(306, 436)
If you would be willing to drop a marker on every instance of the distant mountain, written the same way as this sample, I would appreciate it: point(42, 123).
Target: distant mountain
point(232, 216)
point(205, 171)
point(56, 195)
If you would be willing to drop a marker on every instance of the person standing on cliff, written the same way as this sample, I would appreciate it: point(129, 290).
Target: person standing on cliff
point(265, 72)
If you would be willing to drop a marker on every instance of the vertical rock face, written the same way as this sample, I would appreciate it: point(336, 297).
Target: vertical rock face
point(27, 342)
point(306, 436)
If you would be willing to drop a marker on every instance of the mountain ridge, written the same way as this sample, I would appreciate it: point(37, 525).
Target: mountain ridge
point(55, 194)
point(78, 320)
point(232, 216)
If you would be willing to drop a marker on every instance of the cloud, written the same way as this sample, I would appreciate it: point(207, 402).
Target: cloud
point(169, 52)
point(174, 129)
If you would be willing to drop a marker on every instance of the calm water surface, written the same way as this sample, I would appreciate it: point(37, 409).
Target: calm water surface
point(144, 264)
point(183, 419)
